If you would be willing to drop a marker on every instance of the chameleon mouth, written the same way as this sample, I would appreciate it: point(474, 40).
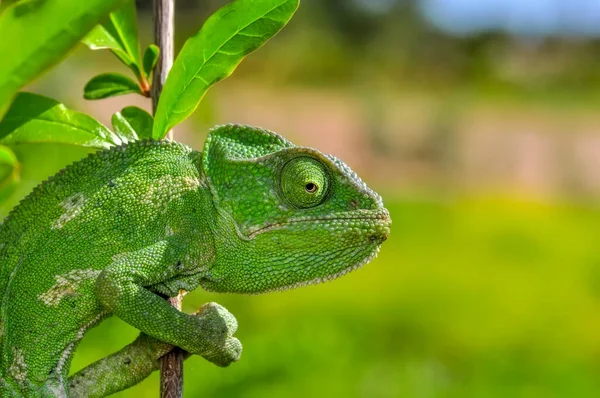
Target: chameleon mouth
point(378, 232)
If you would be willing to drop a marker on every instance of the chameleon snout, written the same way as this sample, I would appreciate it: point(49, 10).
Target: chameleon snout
point(379, 230)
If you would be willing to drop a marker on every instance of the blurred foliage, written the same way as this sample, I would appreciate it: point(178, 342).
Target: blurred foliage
point(340, 41)
point(469, 298)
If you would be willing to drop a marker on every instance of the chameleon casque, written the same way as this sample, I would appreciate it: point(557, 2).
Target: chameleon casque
point(113, 232)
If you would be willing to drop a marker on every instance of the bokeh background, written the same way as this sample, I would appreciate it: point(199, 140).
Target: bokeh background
point(478, 121)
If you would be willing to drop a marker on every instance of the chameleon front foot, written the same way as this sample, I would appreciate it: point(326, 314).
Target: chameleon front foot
point(218, 327)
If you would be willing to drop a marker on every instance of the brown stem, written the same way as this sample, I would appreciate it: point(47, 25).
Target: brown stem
point(171, 367)
point(164, 21)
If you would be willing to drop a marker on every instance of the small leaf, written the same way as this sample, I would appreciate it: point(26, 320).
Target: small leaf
point(226, 38)
point(37, 34)
point(120, 35)
point(140, 120)
point(150, 58)
point(132, 123)
point(109, 85)
point(122, 128)
point(9, 172)
point(34, 118)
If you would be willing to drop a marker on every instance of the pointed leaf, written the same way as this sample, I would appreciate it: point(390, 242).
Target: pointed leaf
point(150, 58)
point(226, 38)
point(132, 123)
point(109, 85)
point(34, 118)
point(37, 34)
point(120, 35)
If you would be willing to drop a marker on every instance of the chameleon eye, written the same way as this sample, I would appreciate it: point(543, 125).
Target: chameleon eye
point(304, 182)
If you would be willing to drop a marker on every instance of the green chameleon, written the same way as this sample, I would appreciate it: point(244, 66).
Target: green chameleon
point(112, 233)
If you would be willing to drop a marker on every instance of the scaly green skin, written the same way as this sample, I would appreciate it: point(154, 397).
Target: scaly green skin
point(252, 213)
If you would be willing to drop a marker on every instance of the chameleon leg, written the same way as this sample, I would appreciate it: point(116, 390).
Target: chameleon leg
point(133, 363)
point(120, 289)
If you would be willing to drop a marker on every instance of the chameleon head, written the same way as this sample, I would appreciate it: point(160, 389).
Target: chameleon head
point(285, 215)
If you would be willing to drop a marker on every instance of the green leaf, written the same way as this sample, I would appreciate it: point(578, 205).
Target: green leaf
point(109, 85)
point(132, 123)
point(34, 118)
point(226, 38)
point(9, 172)
point(120, 35)
point(150, 58)
point(36, 34)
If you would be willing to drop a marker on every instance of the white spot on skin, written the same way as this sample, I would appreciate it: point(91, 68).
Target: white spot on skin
point(169, 231)
point(66, 284)
point(18, 367)
point(73, 205)
point(56, 388)
point(167, 188)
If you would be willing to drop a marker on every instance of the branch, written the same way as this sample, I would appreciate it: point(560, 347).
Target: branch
point(171, 365)
point(164, 21)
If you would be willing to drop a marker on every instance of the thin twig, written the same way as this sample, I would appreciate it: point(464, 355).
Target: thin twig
point(164, 28)
point(171, 366)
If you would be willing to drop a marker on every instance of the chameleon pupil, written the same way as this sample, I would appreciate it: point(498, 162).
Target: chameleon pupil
point(311, 188)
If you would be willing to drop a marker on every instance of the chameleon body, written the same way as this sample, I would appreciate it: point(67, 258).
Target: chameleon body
point(109, 234)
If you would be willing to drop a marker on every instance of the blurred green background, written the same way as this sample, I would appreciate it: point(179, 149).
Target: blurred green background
point(479, 124)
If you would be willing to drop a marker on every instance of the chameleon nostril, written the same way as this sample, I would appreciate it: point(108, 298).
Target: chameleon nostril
point(380, 234)
point(377, 238)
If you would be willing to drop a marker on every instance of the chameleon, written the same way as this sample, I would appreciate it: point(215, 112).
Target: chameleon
point(118, 231)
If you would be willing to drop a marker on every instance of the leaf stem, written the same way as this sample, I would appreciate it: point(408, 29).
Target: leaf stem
point(145, 87)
